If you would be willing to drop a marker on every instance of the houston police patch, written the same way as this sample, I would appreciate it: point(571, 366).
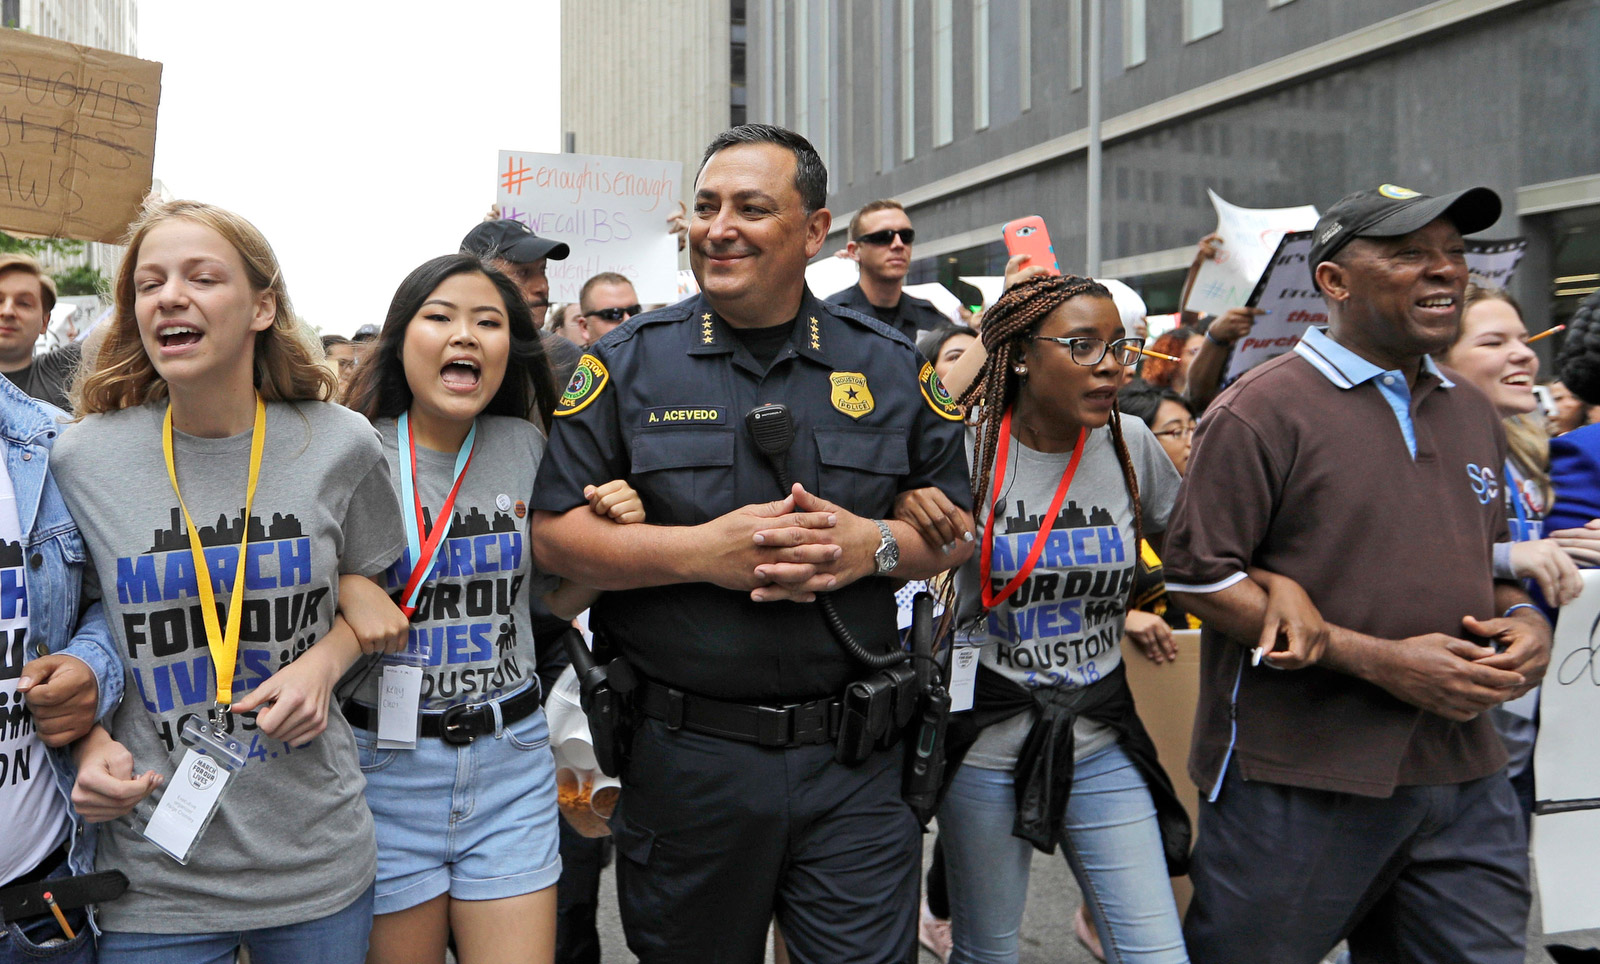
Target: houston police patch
point(938, 399)
point(587, 382)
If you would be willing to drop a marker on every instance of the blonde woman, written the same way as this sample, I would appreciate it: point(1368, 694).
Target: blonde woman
point(222, 498)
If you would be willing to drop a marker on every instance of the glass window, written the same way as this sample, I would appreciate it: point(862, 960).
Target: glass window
point(908, 80)
point(944, 72)
point(1201, 18)
point(1132, 32)
point(980, 64)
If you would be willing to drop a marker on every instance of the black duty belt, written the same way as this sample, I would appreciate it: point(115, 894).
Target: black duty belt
point(459, 725)
point(797, 724)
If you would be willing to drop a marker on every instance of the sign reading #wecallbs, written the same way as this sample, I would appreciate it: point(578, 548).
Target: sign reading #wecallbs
point(611, 211)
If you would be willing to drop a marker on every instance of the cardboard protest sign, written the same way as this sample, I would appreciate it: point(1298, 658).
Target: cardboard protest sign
point(77, 137)
point(1293, 304)
point(611, 211)
point(1249, 238)
point(1566, 822)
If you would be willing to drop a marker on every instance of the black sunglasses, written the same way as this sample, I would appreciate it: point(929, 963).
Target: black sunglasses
point(886, 236)
point(614, 314)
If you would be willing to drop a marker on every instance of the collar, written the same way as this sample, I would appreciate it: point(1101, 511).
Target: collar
point(1344, 368)
point(813, 329)
point(23, 418)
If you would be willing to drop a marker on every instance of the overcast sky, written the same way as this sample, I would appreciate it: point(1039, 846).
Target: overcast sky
point(361, 138)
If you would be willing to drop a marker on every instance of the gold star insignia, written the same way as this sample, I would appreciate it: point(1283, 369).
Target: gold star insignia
point(706, 316)
point(708, 339)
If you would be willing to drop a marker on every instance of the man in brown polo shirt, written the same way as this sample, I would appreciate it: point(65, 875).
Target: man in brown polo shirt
point(1354, 787)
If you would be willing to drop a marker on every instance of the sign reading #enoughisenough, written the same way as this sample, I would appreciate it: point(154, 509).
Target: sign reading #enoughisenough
point(611, 211)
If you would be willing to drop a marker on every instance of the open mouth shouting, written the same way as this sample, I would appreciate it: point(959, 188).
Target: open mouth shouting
point(461, 374)
point(177, 337)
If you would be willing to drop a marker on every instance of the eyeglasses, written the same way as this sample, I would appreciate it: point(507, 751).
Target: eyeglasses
point(1186, 432)
point(1090, 351)
point(614, 314)
point(887, 236)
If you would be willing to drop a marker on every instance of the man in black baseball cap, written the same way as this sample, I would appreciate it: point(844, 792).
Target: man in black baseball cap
point(1355, 778)
point(512, 247)
point(1391, 211)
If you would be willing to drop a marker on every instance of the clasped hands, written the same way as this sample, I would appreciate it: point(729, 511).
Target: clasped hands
point(790, 549)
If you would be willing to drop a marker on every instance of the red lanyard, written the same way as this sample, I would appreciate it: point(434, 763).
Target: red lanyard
point(991, 599)
point(424, 544)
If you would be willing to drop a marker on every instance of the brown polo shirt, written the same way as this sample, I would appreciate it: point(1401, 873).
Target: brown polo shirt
point(1303, 468)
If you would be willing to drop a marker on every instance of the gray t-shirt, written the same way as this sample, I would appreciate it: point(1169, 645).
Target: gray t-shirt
point(1063, 625)
point(292, 838)
point(466, 613)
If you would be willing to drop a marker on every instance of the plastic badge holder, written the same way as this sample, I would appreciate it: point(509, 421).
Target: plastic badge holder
point(585, 795)
point(190, 799)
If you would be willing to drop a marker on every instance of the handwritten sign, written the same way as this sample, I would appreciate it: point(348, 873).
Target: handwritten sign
point(611, 211)
point(77, 137)
point(1249, 238)
point(1566, 822)
point(1286, 291)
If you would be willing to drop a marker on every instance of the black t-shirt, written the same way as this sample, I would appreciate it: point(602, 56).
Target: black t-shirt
point(50, 375)
point(763, 344)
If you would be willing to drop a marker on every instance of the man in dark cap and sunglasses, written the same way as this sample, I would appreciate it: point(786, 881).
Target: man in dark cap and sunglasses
point(1354, 785)
point(880, 242)
point(513, 249)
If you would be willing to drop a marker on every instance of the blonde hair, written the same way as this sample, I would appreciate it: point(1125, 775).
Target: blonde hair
point(288, 359)
point(1529, 445)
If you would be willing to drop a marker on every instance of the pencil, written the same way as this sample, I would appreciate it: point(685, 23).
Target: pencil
point(1546, 333)
point(61, 918)
point(1155, 354)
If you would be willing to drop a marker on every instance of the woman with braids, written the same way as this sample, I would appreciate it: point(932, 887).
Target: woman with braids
point(1058, 469)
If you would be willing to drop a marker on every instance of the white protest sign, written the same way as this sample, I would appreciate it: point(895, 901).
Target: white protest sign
point(1566, 821)
point(1249, 238)
point(829, 276)
point(611, 211)
point(1492, 263)
point(1291, 303)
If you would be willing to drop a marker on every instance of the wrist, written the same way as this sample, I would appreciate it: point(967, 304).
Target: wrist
point(1528, 611)
point(1211, 337)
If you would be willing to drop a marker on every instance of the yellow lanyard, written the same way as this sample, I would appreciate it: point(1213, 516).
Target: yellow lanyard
point(224, 648)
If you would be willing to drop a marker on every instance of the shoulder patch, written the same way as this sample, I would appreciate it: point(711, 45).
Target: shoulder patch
point(934, 393)
point(588, 380)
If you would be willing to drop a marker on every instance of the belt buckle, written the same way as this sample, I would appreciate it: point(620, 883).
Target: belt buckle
point(772, 726)
point(451, 722)
point(811, 722)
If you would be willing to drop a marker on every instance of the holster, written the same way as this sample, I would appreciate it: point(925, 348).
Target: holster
point(925, 739)
point(606, 695)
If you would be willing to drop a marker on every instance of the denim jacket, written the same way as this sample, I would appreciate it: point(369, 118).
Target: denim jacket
point(54, 558)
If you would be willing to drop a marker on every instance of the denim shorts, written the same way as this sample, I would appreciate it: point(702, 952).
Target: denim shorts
point(478, 822)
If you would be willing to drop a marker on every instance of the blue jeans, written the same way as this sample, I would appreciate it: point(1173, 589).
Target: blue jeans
point(339, 938)
point(1111, 843)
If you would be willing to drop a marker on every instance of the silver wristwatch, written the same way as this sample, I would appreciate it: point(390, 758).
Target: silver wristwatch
point(888, 554)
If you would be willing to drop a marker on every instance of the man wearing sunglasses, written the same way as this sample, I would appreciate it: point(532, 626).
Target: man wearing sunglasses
point(880, 242)
point(605, 301)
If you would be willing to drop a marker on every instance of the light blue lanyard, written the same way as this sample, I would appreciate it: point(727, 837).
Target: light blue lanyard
point(417, 540)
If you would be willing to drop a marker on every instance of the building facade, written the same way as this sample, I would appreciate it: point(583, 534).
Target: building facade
point(651, 78)
point(975, 112)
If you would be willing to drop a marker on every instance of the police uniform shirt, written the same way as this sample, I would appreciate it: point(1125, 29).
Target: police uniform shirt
point(908, 317)
point(661, 402)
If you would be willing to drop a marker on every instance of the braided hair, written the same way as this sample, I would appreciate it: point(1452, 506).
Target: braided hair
point(1008, 328)
point(1578, 362)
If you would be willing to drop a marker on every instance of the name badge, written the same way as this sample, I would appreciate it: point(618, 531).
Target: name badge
point(963, 677)
point(399, 698)
point(191, 796)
